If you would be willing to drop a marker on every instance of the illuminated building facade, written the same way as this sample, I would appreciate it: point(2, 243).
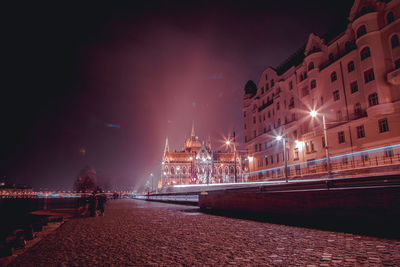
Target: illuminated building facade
point(351, 77)
point(198, 164)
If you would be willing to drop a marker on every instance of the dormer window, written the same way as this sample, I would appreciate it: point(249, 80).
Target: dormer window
point(361, 31)
point(272, 83)
point(313, 84)
point(331, 57)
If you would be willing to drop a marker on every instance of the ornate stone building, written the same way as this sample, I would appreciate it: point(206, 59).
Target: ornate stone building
point(196, 163)
point(350, 76)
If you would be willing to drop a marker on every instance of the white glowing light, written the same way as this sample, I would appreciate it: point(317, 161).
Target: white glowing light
point(250, 158)
point(228, 142)
point(279, 138)
point(313, 113)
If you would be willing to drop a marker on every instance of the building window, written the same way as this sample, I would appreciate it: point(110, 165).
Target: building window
point(331, 57)
point(279, 122)
point(172, 170)
point(354, 87)
point(373, 99)
point(266, 161)
point(264, 117)
point(323, 141)
point(365, 53)
point(336, 95)
point(254, 120)
point(389, 17)
point(269, 114)
point(341, 137)
point(350, 66)
point(272, 83)
point(295, 134)
point(277, 158)
point(360, 131)
point(339, 116)
point(277, 106)
point(311, 66)
point(272, 159)
point(305, 92)
point(395, 41)
point(266, 76)
point(259, 147)
point(361, 31)
point(333, 76)
point(313, 84)
point(290, 85)
point(357, 109)
point(369, 76)
point(267, 86)
point(245, 127)
point(397, 64)
point(383, 125)
point(265, 129)
point(291, 103)
point(348, 46)
point(244, 114)
point(256, 147)
point(262, 90)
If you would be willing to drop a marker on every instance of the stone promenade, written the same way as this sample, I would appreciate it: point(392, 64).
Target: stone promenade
point(139, 233)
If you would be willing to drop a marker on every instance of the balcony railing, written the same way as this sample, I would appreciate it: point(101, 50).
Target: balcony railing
point(269, 103)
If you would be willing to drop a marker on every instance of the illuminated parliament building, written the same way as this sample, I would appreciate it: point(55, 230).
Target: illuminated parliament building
point(349, 79)
point(196, 163)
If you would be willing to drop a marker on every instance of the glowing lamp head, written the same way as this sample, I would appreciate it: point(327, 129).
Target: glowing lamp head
point(313, 113)
point(250, 158)
point(279, 138)
point(165, 173)
point(228, 142)
point(191, 158)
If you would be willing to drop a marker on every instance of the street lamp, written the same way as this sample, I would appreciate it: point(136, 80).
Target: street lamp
point(279, 138)
point(228, 142)
point(314, 114)
point(152, 182)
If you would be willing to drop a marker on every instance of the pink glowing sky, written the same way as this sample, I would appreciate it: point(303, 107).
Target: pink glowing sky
point(152, 69)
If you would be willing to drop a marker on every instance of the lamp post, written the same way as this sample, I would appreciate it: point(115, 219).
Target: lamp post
point(250, 158)
point(228, 142)
point(152, 182)
point(314, 114)
point(279, 138)
point(179, 174)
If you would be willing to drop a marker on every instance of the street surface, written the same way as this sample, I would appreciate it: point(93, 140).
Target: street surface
point(140, 233)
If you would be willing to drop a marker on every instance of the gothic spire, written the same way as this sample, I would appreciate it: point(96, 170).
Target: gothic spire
point(193, 135)
point(166, 149)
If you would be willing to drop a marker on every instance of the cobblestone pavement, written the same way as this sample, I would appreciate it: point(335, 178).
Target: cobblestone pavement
point(139, 233)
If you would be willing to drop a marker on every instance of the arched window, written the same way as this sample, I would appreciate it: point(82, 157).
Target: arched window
point(311, 66)
point(313, 84)
point(331, 57)
point(226, 170)
point(389, 17)
point(365, 53)
point(373, 99)
point(350, 66)
point(333, 76)
point(272, 83)
point(166, 169)
point(232, 170)
point(220, 170)
point(395, 41)
point(172, 170)
point(361, 31)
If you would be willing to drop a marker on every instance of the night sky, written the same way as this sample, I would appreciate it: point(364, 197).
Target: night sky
point(104, 84)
